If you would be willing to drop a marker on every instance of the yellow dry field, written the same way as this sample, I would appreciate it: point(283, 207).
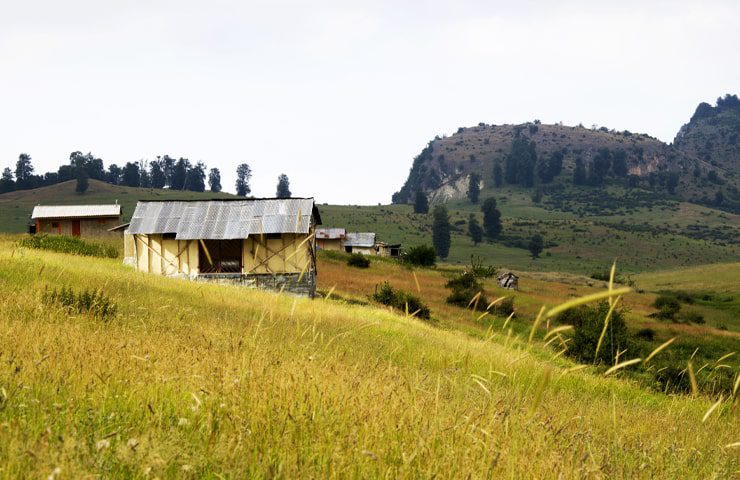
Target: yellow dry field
point(191, 380)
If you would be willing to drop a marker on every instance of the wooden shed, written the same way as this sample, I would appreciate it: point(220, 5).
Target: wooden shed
point(330, 239)
point(266, 243)
point(390, 250)
point(359, 242)
point(87, 221)
point(508, 280)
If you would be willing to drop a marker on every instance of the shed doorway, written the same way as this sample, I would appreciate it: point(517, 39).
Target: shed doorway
point(220, 256)
point(75, 228)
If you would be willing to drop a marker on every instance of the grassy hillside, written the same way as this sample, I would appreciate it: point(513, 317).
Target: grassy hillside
point(16, 207)
point(581, 236)
point(197, 380)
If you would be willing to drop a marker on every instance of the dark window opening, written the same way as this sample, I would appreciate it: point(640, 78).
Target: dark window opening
point(169, 236)
point(220, 256)
point(348, 249)
point(54, 224)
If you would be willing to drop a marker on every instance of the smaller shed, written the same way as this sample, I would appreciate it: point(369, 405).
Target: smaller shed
point(508, 280)
point(330, 238)
point(360, 242)
point(391, 250)
point(90, 221)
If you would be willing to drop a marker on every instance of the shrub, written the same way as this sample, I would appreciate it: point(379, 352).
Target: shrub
point(64, 244)
point(646, 334)
point(588, 322)
point(421, 256)
point(464, 288)
point(692, 317)
point(87, 301)
point(667, 306)
point(387, 295)
point(358, 260)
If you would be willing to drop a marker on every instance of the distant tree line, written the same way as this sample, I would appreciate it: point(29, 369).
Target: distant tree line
point(164, 172)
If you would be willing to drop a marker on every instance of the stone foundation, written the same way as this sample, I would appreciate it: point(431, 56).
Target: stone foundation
point(286, 282)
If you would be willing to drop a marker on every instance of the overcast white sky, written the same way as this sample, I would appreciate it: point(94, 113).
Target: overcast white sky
point(342, 95)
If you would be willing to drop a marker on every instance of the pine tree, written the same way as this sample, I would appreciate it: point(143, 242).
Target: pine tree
point(441, 231)
point(579, 174)
point(474, 230)
point(7, 184)
point(474, 188)
point(283, 187)
point(498, 175)
point(421, 204)
point(156, 174)
point(243, 174)
point(536, 245)
point(23, 172)
point(491, 218)
point(214, 180)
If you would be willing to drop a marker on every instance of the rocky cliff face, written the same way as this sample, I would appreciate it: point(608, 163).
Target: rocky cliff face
point(704, 159)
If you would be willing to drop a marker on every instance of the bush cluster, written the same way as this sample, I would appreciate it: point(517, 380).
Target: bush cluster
point(387, 295)
point(420, 256)
point(358, 260)
point(87, 301)
point(64, 244)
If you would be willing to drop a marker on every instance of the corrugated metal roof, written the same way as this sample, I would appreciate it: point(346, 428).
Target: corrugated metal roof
point(75, 211)
point(330, 233)
point(360, 239)
point(223, 220)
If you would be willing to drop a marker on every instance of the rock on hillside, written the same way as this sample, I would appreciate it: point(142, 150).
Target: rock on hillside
point(713, 136)
point(686, 169)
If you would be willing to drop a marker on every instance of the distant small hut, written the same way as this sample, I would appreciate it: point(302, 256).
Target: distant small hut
point(265, 243)
point(390, 250)
point(330, 238)
point(87, 221)
point(360, 242)
point(508, 280)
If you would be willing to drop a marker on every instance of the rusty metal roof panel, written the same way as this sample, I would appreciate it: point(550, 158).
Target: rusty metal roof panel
point(330, 233)
point(75, 211)
point(360, 239)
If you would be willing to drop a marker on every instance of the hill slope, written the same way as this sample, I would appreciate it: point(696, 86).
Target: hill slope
point(705, 157)
point(16, 207)
point(239, 383)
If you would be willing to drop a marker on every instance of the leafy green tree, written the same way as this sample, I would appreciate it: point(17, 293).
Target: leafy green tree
point(214, 180)
point(156, 174)
point(114, 174)
point(23, 172)
point(579, 174)
point(78, 162)
point(131, 176)
point(243, 174)
point(474, 188)
point(421, 204)
point(180, 174)
point(491, 218)
point(498, 175)
point(7, 184)
point(475, 230)
point(168, 167)
point(536, 244)
point(441, 231)
point(145, 180)
point(283, 187)
point(521, 162)
point(197, 178)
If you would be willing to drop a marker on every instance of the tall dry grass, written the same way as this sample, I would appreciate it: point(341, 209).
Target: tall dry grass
point(197, 380)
